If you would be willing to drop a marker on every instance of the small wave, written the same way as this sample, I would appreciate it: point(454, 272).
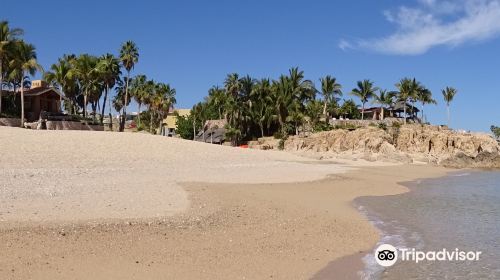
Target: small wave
point(391, 233)
point(460, 174)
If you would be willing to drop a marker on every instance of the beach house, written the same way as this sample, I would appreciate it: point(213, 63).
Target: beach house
point(39, 97)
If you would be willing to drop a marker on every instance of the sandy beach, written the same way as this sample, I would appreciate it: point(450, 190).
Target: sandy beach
point(98, 205)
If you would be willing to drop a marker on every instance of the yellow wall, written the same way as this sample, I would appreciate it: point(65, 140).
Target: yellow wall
point(171, 119)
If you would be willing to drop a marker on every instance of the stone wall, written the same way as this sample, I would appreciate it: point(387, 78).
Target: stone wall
point(10, 122)
point(71, 125)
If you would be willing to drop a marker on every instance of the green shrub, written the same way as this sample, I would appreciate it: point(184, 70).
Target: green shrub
point(348, 126)
point(281, 144)
point(495, 130)
point(322, 126)
point(382, 126)
point(185, 126)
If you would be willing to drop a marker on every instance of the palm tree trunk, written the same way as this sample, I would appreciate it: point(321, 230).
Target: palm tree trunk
point(261, 125)
point(94, 110)
point(324, 110)
point(104, 104)
point(413, 109)
point(150, 121)
point(110, 116)
point(161, 122)
point(122, 121)
point(363, 112)
point(448, 113)
point(422, 108)
point(22, 101)
point(85, 104)
point(139, 114)
point(194, 128)
point(280, 119)
point(1, 85)
point(404, 113)
point(203, 127)
point(60, 100)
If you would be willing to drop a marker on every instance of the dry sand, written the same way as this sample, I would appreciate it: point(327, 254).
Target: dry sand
point(98, 205)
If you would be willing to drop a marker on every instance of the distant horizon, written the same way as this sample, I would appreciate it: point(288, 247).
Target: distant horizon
point(193, 46)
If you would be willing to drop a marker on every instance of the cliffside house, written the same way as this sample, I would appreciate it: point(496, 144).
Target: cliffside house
point(397, 110)
point(39, 97)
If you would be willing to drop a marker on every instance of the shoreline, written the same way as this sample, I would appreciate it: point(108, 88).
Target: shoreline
point(353, 266)
point(405, 229)
point(287, 230)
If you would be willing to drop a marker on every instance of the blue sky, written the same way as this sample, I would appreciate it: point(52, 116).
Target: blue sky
point(193, 44)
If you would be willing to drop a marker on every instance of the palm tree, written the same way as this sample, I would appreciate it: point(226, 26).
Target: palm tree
point(233, 133)
point(8, 37)
point(139, 92)
point(95, 89)
point(425, 97)
point(217, 97)
point(119, 98)
point(129, 56)
point(247, 83)
point(196, 112)
point(313, 111)
point(329, 88)
point(232, 84)
point(59, 76)
point(365, 91)
point(163, 101)
point(244, 115)
point(296, 116)
point(233, 109)
point(260, 104)
point(407, 89)
point(25, 61)
point(84, 69)
point(303, 90)
point(108, 69)
point(283, 99)
point(150, 89)
point(290, 94)
point(448, 95)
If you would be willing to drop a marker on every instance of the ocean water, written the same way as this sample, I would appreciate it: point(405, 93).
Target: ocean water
point(459, 211)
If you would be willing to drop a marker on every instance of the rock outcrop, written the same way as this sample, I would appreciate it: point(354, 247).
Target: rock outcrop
point(408, 143)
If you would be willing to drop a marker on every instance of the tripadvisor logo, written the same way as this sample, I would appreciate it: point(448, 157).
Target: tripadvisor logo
point(386, 255)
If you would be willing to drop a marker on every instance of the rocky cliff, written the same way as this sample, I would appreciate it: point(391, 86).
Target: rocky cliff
point(408, 143)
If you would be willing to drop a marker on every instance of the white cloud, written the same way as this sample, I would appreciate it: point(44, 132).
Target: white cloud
point(435, 23)
point(344, 45)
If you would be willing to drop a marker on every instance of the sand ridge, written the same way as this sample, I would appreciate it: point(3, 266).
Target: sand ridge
point(80, 175)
